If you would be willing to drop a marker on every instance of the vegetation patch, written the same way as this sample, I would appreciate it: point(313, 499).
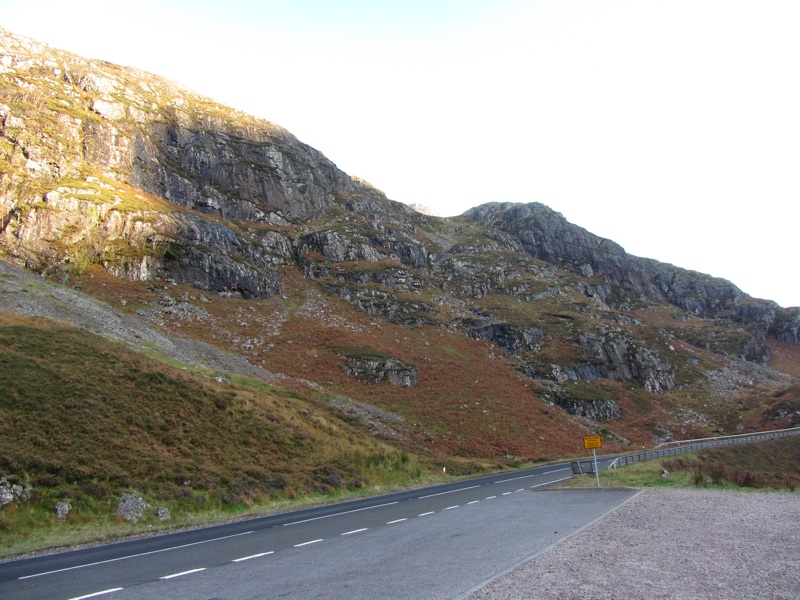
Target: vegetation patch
point(83, 420)
point(763, 465)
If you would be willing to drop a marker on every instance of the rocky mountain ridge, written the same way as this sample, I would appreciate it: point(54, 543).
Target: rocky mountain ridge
point(106, 167)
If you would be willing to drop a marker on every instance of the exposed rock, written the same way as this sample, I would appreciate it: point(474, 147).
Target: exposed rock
point(595, 409)
point(336, 247)
point(787, 325)
point(511, 338)
point(374, 369)
point(163, 514)
point(425, 210)
point(62, 510)
point(626, 358)
point(547, 235)
point(383, 304)
point(131, 507)
point(6, 492)
point(10, 492)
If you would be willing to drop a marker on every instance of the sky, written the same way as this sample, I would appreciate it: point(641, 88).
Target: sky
point(671, 127)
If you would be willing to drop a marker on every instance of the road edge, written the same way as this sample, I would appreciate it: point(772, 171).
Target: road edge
point(517, 565)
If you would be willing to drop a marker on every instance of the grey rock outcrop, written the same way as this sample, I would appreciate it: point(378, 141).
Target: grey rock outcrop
point(600, 410)
point(547, 235)
point(13, 493)
point(626, 358)
point(511, 338)
point(374, 369)
point(786, 326)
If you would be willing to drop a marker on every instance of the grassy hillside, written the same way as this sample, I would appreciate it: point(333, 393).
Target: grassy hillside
point(83, 419)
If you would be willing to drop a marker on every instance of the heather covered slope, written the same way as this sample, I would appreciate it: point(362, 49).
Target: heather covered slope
point(89, 418)
point(110, 171)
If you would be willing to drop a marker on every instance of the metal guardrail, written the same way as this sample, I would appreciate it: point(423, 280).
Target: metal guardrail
point(681, 447)
point(583, 467)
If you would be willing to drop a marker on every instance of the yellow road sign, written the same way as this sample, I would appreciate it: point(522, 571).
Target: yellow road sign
point(592, 441)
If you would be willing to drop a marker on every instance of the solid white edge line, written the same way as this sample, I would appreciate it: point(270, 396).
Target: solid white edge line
point(354, 531)
point(397, 521)
point(472, 487)
point(482, 585)
point(308, 543)
point(174, 575)
point(110, 560)
point(347, 512)
point(244, 558)
point(97, 594)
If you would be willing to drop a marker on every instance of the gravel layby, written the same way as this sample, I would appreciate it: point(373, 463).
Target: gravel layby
point(671, 543)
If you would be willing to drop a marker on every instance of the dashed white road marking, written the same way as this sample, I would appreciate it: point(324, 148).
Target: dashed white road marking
point(307, 543)
point(181, 574)
point(426, 514)
point(474, 502)
point(555, 471)
point(110, 560)
point(354, 531)
point(346, 512)
point(397, 521)
point(451, 507)
point(244, 558)
point(97, 594)
point(507, 493)
point(490, 498)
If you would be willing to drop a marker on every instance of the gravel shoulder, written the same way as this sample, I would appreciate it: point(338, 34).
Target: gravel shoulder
point(672, 543)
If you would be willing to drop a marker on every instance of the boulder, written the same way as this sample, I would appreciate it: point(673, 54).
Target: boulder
point(62, 510)
point(131, 507)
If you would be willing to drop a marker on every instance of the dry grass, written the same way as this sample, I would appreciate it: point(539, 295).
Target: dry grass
point(764, 465)
point(774, 464)
point(83, 419)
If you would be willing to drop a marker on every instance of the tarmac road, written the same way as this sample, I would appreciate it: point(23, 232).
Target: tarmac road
point(438, 542)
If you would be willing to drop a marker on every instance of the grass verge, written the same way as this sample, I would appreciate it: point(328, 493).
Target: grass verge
point(773, 465)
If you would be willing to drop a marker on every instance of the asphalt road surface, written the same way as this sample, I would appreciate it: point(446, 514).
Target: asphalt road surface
point(439, 542)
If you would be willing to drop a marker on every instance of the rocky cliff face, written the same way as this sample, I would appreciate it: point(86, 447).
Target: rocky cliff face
point(627, 280)
point(157, 137)
point(110, 167)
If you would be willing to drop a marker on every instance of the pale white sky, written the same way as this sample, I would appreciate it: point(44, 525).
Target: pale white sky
point(671, 127)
